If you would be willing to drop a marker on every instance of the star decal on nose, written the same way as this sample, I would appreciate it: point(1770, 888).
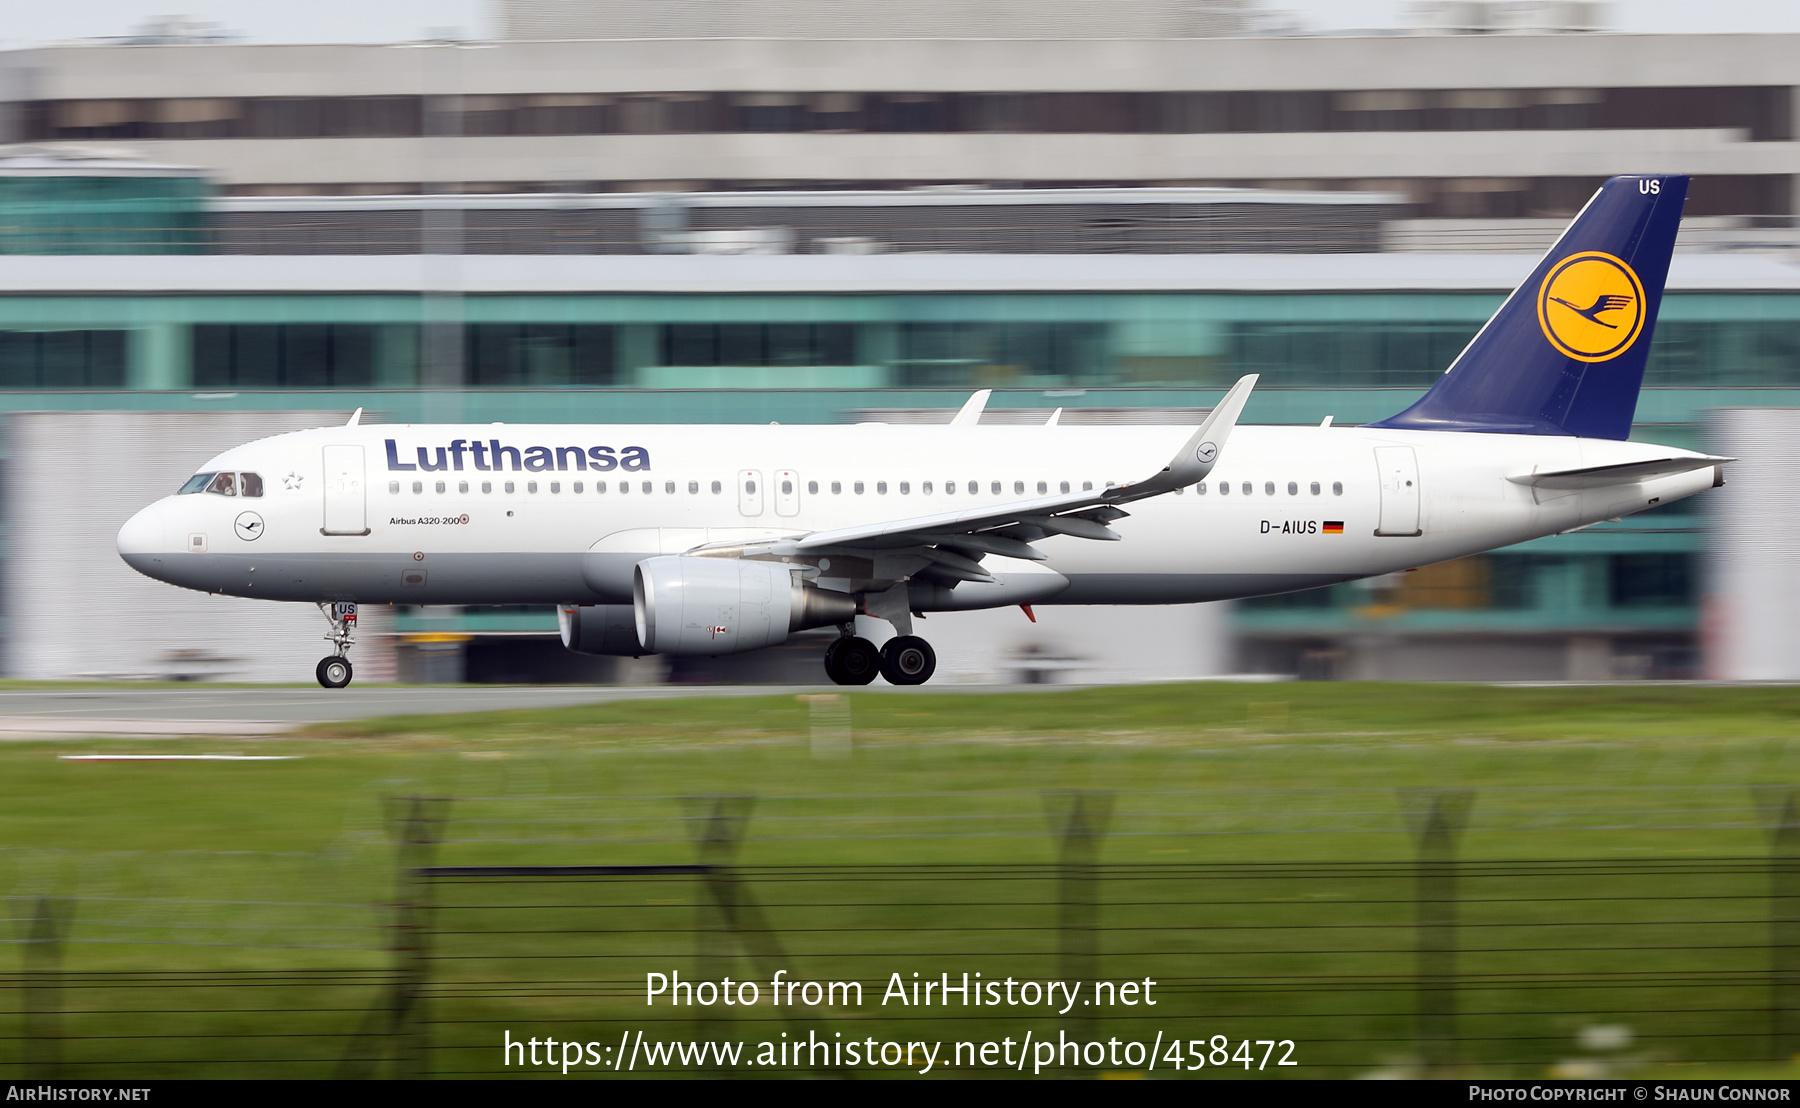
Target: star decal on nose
point(292, 482)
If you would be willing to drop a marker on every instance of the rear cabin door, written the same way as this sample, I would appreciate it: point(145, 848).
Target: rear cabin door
point(1399, 470)
point(346, 492)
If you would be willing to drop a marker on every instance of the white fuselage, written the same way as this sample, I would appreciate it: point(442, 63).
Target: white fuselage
point(462, 536)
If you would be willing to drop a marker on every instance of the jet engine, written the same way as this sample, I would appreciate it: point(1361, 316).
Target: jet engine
point(599, 629)
point(689, 605)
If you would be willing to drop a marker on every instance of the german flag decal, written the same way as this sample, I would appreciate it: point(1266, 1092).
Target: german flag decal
point(1334, 527)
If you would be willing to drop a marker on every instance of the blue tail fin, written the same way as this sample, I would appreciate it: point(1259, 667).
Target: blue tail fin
point(1565, 354)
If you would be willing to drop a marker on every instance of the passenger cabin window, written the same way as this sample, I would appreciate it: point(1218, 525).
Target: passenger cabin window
point(393, 488)
point(250, 484)
point(716, 487)
point(225, 484)
point(196, 483)
point(1315, 488)
point(1337, 488)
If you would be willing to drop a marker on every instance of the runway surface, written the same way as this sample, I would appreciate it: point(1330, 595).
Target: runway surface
point(163, 712)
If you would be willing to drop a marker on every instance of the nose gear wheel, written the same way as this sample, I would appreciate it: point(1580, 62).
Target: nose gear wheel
point(334, 672)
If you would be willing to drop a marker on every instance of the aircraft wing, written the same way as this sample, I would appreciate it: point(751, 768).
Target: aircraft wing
point(950, 545)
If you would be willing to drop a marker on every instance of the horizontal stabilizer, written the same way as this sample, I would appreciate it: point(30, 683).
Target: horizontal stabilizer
point(1596, 477)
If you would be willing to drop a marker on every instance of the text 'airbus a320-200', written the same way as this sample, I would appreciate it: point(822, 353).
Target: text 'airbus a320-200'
point(720, 539)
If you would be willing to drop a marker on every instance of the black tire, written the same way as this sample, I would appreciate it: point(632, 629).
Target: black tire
point(852, 661)
point(908, 660)
point(334, 672)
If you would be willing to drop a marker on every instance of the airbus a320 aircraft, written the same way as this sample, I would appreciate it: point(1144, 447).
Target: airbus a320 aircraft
point(720, 539)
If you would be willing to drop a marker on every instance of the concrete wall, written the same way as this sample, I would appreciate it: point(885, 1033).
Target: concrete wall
point(73, 609)
point(1751, 619)
point(917, 65)
point(689, 161)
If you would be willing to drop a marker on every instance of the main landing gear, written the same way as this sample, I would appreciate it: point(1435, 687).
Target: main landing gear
point(903, 660)
point(334, 670)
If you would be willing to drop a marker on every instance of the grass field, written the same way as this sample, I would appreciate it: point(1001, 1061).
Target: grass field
point(234, 918)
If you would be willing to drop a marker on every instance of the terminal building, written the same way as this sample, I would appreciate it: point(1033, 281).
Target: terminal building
point(207, 241)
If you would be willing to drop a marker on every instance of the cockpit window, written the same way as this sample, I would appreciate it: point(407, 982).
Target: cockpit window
point(225, 484)
point(196, 483)
point(250, 484)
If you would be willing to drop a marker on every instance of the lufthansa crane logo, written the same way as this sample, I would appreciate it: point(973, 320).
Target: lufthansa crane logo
point(1591, 306)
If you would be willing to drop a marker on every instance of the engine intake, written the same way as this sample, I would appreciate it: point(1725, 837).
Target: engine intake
point(599, 629)
point(688, 605)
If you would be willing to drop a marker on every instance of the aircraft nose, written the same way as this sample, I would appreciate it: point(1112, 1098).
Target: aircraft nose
point(141, 540)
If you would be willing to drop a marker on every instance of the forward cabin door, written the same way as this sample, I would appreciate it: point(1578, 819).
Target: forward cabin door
point(346, 492)
point(1399, 470)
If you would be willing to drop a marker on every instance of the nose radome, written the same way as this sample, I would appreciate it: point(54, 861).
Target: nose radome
point(141, 539)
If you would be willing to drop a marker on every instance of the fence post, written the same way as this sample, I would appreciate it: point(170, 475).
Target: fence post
point(397, 1026)
point(729, 910)
point(1078, 818)
point(1782, 816)
point(1436, 818)
point(46, 930)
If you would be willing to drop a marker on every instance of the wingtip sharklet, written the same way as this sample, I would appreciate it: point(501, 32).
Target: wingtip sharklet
point(1202, 451)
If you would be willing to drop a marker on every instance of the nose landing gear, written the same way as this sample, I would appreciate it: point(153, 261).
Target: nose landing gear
point(334, 670)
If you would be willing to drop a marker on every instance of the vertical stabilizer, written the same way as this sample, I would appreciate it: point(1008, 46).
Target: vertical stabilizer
point(1565, 354)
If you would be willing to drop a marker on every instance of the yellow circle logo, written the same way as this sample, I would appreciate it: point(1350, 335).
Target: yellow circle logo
point(1591, 306)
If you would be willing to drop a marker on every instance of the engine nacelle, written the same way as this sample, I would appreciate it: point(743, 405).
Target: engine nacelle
point(599, 629)
point(688, 605)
